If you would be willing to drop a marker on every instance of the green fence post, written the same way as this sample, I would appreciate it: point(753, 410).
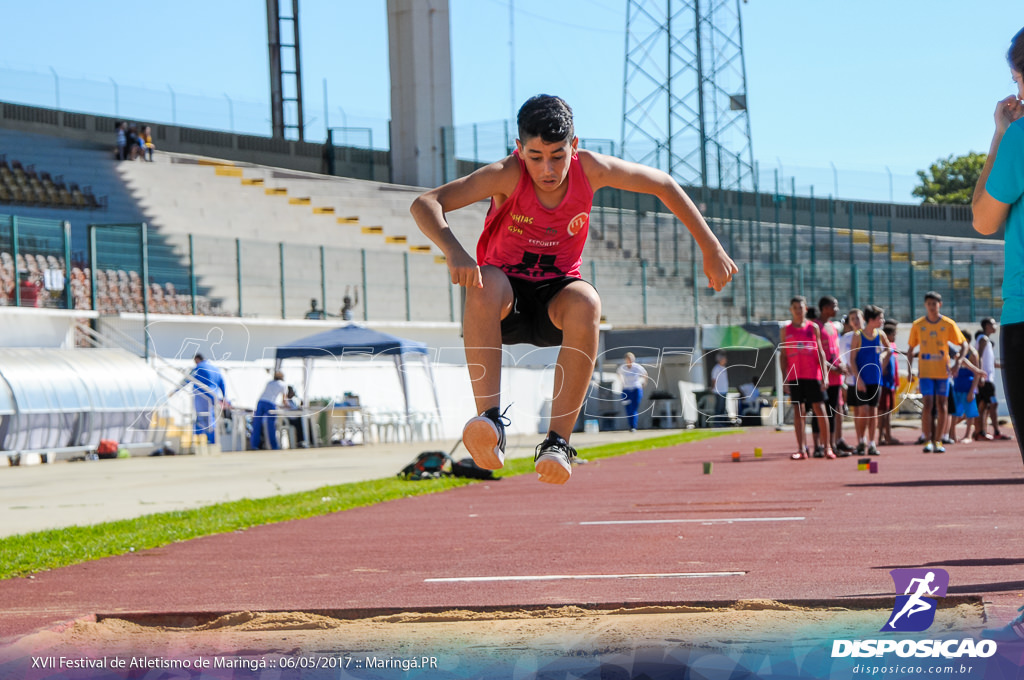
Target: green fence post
point(813, 244)
point(973, 308)
point(952, 287)
point(366, 292)
point(792, 244)
point(144, 247)
point(280, 260)
point(913, 283)
point(675, 246)
point(192, 273)
point(643, 284)
point(69, 303)
point(238, 272)
point(657, 240)
point(696, 296)
point(17, 273)
point(871, 258)
point(992, 287)
point(832, 239)
point(747, 292)
point(91, 231)
point(618, 203)
point(855, 285)
point(405, 268)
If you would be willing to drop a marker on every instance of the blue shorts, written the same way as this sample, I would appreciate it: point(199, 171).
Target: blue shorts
point(934, 386)
point(965, 408)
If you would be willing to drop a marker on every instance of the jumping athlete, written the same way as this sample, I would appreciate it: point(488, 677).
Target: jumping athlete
point(524, 284)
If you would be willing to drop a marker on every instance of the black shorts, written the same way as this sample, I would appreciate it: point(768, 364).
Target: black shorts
point(806, 392)
point(528, 322)
point(987, 393)
point(869, 396)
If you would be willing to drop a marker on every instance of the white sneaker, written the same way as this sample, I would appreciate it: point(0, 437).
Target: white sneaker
point(484, 438)
point(553, 460)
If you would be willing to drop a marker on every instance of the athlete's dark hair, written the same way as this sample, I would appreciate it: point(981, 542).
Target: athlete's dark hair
point(872, 312)
point(199, 357)
point(1015, 55)
point(932, 295)
point(827, 300)
point(797, 298)
point(545, 116)
point(812, 313)
point(987, 320)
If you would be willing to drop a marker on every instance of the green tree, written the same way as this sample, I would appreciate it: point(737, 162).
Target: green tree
point(950, 180)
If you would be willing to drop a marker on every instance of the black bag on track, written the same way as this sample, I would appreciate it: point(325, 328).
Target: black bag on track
point(467, 467)
point(427, 465)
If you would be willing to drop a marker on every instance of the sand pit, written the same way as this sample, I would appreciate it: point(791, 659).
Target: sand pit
point(458, 636)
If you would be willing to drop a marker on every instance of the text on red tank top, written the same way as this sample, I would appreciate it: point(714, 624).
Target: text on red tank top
point(527, 240)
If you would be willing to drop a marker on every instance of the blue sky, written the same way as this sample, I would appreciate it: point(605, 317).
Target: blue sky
point(870, 87)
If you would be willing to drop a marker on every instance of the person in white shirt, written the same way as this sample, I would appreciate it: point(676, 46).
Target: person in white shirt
point(720, 383)
point(633, 377)
point(262, 418)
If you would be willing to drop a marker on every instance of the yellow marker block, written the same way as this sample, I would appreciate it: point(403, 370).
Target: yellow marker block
point(275, 191)
point(373, 230)
point(440, 259)
point(223, 171)
point(348, 220)
point(300, 201)
point(758, 452)
point(396, 239)
point(419, 249)
point(323, 211)
point(252, 181)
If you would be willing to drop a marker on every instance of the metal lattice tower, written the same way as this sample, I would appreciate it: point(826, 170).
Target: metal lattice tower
point(285, 70)
point(685, 91)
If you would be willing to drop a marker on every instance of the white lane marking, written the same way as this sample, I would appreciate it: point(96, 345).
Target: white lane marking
point(724, 520)
point(558, 577)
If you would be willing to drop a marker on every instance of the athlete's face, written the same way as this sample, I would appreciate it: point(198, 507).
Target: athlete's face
point(547, 162)
point(799, 310)
point(932, 306)
point(1018, 79)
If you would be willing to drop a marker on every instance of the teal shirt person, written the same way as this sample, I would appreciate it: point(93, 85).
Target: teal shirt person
point(1006, 185)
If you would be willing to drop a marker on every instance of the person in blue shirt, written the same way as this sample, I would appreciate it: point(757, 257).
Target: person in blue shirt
point(997, 202)
point(208, 390)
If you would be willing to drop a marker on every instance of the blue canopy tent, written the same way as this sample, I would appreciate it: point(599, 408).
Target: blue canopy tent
point(356, 340)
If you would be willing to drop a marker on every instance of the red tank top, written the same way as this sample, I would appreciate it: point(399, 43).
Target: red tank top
point(830, 342)
point(802, 360)
point(529, 241)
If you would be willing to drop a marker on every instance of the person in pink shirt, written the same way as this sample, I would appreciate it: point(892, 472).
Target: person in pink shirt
point(828, 306)
point(802, 359)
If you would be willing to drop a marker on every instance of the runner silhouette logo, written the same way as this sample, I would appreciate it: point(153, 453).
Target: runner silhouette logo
point(914, 610)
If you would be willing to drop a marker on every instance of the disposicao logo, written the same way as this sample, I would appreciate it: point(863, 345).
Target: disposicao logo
point(914, 610)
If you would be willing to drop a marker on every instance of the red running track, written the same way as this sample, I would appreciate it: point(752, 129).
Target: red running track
point(651, 516)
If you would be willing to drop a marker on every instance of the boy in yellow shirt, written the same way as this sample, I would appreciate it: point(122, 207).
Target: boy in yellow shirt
point(934, 334)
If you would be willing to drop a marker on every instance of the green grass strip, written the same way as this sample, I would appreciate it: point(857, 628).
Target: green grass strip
point(38, 551)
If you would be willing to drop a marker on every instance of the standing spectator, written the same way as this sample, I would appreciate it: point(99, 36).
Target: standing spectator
point(890, 384)
point(868, 353)
point(802, 359)
point(262, 418)
point(146, 143)
point(293, 403)
point(997, 203)
point(29, 289)
point(208, 390)
point(965, 396)
point(934, 332)
point(633, 377)
point(988, 405)
point(852, 323)
point(348, 304)
point(720, 384)
point(121, 147)
point(828, 306)
point(315, 312)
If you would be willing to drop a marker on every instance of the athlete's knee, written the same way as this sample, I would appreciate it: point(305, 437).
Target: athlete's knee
point(576, 305)
point(495, 293)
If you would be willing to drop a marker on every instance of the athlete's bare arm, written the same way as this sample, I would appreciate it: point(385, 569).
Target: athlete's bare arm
point(497, 180)
point(608, 171)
